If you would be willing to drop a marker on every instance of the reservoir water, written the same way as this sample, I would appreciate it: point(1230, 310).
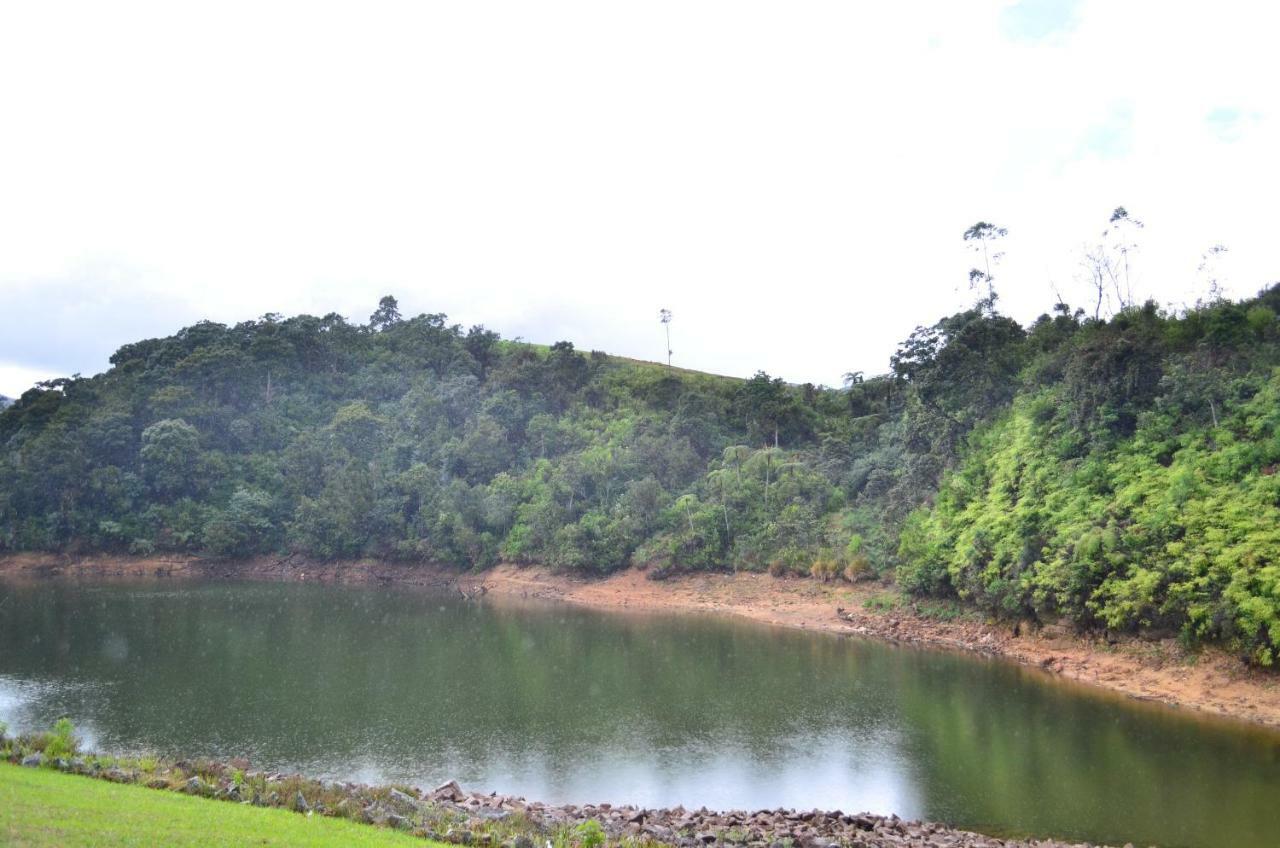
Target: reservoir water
point(566, 704)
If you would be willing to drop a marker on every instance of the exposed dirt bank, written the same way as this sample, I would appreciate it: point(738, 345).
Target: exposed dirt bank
point(1160, 671)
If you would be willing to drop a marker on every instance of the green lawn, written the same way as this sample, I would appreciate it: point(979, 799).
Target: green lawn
point(43, 807)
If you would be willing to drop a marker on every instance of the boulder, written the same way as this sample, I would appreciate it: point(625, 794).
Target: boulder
point(458, 837)
point(33, 760)
point(490, 814)
point(450, 791)
point(402, 801)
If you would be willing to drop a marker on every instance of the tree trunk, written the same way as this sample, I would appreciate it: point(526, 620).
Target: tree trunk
point(768, 464)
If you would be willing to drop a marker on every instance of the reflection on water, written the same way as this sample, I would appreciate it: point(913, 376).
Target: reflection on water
point(564, 704)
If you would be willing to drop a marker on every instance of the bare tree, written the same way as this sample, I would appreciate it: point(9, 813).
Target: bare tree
point(664, 315)
point(1096, 270)
point(1121, 240)
point(1209, 270)
point(982, 237)
point(1107, 267)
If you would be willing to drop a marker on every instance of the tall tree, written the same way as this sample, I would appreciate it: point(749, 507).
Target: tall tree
point(982, 238)
point(664, 315)
point(170, 455)
point(386, 315)
point(1121, 239)
point(482, 344)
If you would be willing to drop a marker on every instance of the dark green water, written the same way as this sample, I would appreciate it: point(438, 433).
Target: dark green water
point(559, 704)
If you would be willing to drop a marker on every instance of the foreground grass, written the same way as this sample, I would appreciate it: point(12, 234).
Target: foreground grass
point(45, 807)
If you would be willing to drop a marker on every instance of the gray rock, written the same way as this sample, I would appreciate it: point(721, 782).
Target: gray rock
point(450, 791)
point(402, 802)
point(489, 814)
point(658, 832)
point(33, 760)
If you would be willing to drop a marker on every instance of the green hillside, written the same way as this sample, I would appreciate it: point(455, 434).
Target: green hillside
point(1120, 472)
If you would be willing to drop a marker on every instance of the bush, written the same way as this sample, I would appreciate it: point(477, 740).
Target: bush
point(824, 569)
point(859, 569)
point(60, 741)
point(589, 834)
point(63, 742)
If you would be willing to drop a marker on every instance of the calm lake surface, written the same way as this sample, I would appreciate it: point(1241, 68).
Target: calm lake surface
point(564, 704)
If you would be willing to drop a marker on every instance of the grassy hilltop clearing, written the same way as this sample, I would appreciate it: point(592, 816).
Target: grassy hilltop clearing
point(1120, 472)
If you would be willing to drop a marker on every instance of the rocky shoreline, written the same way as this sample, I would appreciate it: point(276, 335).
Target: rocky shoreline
point(451, 815)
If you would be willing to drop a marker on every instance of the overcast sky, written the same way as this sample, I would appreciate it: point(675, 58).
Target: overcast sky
point(790, 179)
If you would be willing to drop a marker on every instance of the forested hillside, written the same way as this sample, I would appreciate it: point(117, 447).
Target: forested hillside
point(1120, 472)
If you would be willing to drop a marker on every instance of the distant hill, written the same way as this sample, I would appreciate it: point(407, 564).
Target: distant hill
point(5, 401)
point(1121, 472)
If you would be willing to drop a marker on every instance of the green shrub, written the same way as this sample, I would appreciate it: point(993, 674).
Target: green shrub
point(61, 740)
point(589, 834)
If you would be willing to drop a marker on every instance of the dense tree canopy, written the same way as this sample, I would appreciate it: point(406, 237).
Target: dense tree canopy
point(1121, 472)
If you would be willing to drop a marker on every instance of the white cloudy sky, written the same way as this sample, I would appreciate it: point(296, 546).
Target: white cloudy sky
point(791, 179)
